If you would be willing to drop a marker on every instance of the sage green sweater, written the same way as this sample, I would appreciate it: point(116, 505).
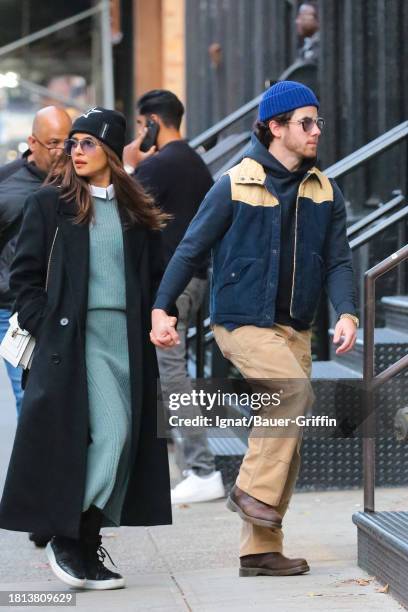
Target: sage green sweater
point(107, 362)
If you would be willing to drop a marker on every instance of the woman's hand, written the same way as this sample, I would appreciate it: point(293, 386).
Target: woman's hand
point(163, 334)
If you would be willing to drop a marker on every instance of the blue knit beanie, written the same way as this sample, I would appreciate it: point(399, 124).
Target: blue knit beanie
point(285, 96)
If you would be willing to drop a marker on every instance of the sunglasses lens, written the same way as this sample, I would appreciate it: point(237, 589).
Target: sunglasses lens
point(88, 145)
point(308, 124)
point(68, 144)
point(320, 123)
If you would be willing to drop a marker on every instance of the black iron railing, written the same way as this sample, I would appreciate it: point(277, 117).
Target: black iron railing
point(381, 211)
point(372, 381)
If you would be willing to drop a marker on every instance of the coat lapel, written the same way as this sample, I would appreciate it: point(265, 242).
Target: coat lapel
point(76, 252)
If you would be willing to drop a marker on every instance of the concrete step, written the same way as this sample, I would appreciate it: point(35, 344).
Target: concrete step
point(396, 312)
point(383, 549)
point(331, 370)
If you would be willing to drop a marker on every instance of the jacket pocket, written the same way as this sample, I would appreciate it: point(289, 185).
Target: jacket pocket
point(239, 286)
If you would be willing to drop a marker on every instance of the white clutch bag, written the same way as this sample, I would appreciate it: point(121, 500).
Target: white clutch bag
point(18, 344)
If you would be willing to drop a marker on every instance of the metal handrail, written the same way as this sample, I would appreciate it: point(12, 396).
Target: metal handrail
point(235, 159)
point(378, 229)
point(379, 212)
point(371, 149)
point(372, 381)
point(225, 123)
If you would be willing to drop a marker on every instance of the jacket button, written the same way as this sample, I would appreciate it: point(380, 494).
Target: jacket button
point(64, 321)
point(233, 274)
point(55, 358)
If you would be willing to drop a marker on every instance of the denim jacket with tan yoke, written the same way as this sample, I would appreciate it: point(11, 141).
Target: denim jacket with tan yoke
point(240, 222)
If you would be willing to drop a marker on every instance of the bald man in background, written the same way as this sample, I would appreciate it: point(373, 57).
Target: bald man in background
point(18, 180)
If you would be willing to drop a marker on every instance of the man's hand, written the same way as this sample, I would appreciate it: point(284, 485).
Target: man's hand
point(346, 331)
point(163, 333)
point(132, 155)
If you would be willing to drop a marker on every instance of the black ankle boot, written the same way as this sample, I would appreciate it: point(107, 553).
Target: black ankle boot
point(98, 577)
point(66, 560)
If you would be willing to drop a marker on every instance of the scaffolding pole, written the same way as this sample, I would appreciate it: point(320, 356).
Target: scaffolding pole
point(107, 61)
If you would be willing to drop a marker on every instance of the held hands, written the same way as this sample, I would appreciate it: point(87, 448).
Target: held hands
point(345, 331)
point(163, 334)
point(132, 155)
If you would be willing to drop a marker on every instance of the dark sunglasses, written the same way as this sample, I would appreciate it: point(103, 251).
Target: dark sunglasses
point(308, 123)
point(87, 145)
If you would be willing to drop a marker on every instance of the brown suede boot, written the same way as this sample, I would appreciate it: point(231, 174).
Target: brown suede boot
point(272, 564)
point(253, 510)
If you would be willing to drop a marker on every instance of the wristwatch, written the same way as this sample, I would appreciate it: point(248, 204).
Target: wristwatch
point(347, 315)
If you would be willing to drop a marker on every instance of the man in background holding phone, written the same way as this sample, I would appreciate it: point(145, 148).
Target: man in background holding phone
point(178, 179)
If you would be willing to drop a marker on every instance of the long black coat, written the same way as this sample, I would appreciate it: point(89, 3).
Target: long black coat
point(46, 477)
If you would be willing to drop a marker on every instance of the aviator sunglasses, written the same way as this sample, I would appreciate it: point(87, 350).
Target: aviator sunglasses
point(87, 145)
point(308, 123)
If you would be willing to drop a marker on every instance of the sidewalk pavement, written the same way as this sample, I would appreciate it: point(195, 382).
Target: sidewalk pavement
point(192, 565)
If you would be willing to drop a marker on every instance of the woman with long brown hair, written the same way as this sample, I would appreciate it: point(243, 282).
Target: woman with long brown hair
point(87, 266)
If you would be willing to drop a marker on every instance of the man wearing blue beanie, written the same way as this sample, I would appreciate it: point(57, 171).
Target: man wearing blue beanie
point(276, 226)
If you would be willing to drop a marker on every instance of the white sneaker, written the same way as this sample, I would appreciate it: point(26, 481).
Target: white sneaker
point(198, 488)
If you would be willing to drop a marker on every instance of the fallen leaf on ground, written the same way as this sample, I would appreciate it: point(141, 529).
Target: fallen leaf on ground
point(383, 589)
point(363, 581)
point(359, 581)
point(315, 594)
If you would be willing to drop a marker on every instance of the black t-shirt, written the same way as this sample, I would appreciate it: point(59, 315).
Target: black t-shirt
point(178, 179)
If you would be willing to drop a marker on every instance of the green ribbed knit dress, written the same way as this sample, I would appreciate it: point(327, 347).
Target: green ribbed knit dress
point(107, 364)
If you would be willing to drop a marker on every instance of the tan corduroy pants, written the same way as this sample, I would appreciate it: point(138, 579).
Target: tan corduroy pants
point(271, 357)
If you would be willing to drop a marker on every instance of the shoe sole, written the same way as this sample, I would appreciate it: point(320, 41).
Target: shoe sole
point(231, 505)
point(259, 571)
point(60, 573)
point(104, 585)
